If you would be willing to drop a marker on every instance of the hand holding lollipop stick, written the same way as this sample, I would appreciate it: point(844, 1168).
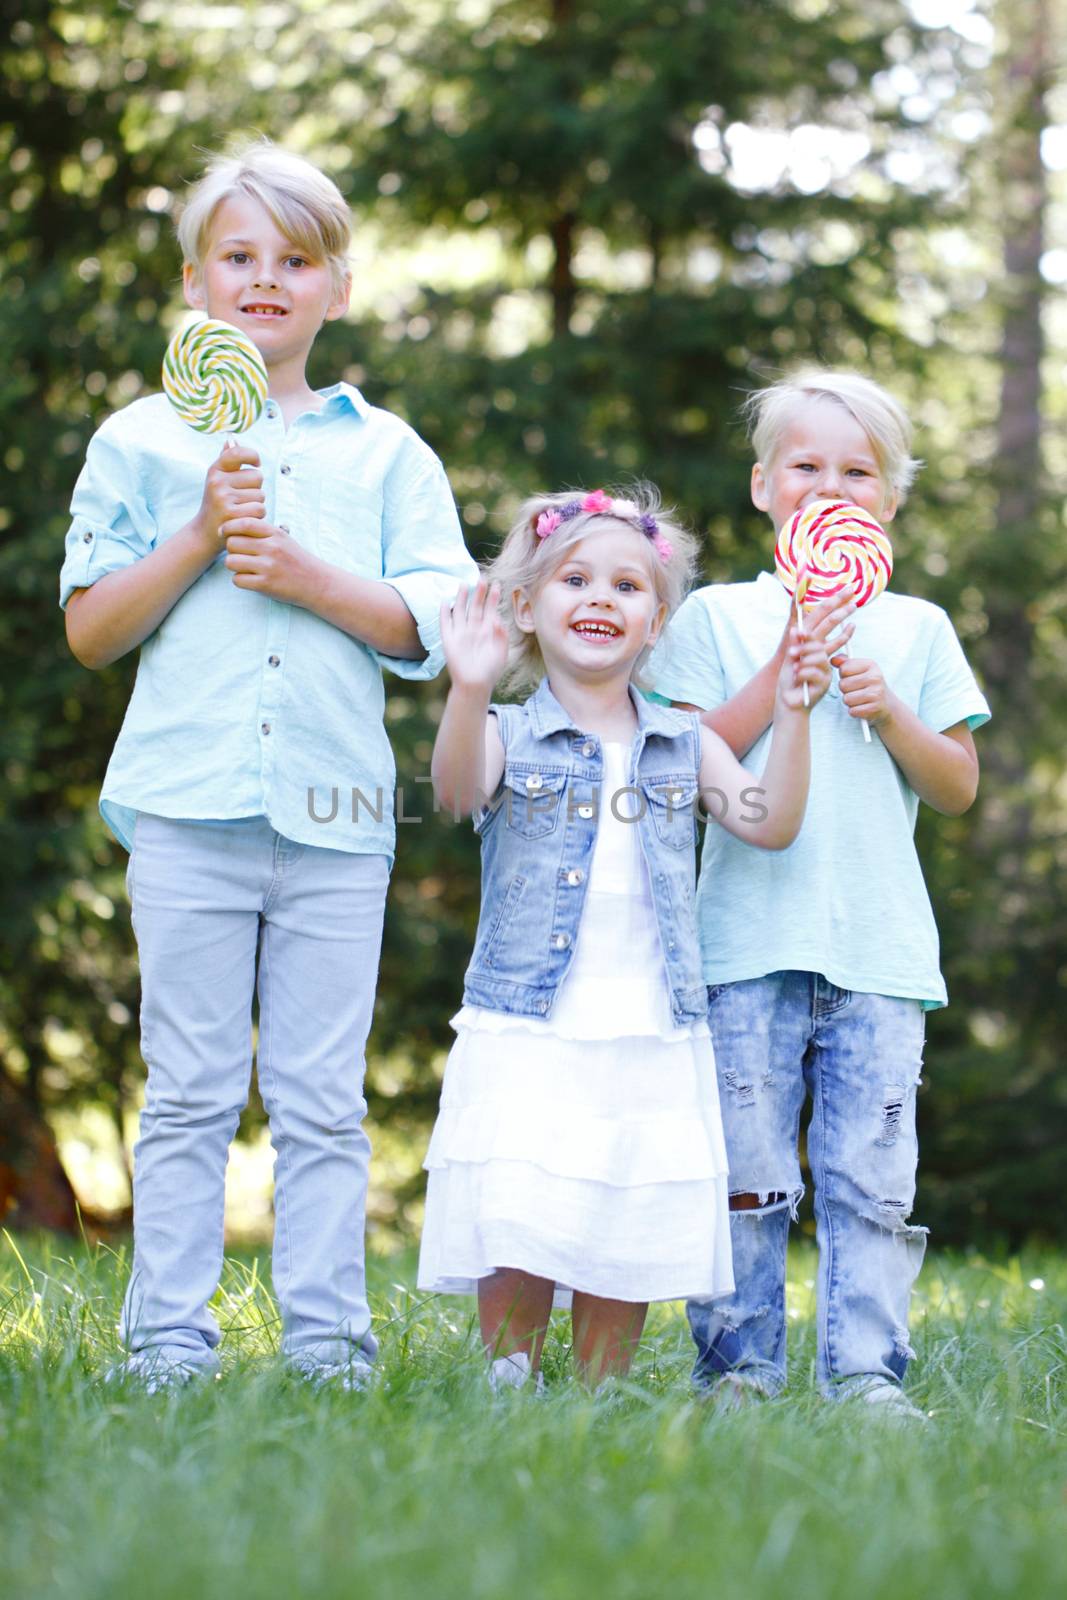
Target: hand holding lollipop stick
point(799, 594)
point(827, 545)
point(215, 378)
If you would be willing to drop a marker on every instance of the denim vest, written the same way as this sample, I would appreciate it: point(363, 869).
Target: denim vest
point(538, 834)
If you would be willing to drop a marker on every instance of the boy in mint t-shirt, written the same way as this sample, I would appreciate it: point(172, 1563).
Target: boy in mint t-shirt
point(822, 960)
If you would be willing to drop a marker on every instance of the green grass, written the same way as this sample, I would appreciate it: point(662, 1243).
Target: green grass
point(256, 1486)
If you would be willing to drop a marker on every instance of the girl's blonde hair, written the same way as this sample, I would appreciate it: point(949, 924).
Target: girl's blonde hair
point(526, 560)
point(302, 202)
point(769, 412)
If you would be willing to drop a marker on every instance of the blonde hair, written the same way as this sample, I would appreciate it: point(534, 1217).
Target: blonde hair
point(526, 562)
point(302, 202)
point(883, 419)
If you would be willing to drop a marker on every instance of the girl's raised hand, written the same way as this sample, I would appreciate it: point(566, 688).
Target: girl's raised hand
point(807, 662)
point(808, 653)
point(833, 617)
point(474, 638)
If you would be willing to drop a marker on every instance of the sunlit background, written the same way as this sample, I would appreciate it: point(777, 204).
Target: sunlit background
point(583, 232)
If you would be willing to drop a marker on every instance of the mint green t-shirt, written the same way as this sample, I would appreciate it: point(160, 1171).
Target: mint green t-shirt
point(847, 898)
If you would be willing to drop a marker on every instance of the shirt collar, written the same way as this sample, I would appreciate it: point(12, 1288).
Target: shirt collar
point(548, 716)
point(341, 394)
point(768, 583)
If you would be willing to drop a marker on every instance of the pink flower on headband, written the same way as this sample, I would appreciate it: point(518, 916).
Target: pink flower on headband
point(596, 502)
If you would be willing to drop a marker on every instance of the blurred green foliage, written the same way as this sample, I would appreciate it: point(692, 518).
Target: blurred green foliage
point(564, 272)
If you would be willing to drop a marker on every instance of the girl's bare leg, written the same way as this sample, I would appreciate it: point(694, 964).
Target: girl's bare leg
point(606, 1334)
point(513, 1311)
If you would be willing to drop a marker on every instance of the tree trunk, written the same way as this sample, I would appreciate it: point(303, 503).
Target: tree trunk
point(35, 1192)
point(1022, 195)
point(562, 275)
point(562, 226)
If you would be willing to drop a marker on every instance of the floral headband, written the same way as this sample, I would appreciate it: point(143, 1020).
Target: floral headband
point(599, 504)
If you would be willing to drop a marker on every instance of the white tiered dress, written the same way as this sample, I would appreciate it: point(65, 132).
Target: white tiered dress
point(585, 1147)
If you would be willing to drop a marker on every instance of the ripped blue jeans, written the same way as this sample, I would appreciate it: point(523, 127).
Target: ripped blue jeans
point(778, 1039)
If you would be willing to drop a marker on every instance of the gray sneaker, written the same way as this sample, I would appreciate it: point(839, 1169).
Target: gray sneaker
point(154, 1372)
point(732, 1393)
point(339, 1377)
point(888, 1400)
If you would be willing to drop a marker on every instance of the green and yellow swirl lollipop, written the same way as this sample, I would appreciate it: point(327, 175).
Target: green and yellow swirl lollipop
point(214, 377)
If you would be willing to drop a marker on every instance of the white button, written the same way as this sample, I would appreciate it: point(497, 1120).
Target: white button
point(274, 661)
point(588, 749)
point(585, 811)
point(575, 876)
point(561, 941)
point(272, 410)
point(285, 469)
point(542, 1006)
point(534, 781)
point(264, 727)
point(87, 537)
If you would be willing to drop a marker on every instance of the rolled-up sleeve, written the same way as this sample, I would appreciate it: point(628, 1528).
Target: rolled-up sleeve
point(111, 525)
point(424, 558)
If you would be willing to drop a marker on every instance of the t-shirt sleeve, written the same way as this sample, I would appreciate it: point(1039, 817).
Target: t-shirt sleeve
point(425, 559)
point(686, 664)
point(950, 692)
point(111, 523)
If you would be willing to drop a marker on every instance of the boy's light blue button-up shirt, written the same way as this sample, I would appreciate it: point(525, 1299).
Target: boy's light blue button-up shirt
point(847, 898)
point(245, 706)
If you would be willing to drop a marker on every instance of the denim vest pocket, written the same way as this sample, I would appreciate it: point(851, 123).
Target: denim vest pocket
point(530, 799)
point(497, 933)
point(671, 804)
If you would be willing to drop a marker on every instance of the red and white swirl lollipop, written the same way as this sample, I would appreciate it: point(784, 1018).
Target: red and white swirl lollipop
point(828, 545)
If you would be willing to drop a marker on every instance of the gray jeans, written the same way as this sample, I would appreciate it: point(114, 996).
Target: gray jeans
point(221, 909)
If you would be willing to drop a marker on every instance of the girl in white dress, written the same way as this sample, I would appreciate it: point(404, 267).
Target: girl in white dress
point(578, 1155)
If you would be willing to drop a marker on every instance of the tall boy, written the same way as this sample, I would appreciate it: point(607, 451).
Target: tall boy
point(822, 961)
point(265, 584)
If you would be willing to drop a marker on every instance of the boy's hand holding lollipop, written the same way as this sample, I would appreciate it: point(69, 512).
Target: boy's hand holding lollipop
point(824, 548)
point(216, 380)
point(233, 493)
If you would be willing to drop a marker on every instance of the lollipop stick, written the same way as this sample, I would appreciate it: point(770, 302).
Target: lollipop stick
point(807, 696)
point(863, 725)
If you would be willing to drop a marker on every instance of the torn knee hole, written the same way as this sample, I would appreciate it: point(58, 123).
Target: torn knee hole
point(733, 1321)
point(755, 1202)
point(743, 1092)
point(892, 1111)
